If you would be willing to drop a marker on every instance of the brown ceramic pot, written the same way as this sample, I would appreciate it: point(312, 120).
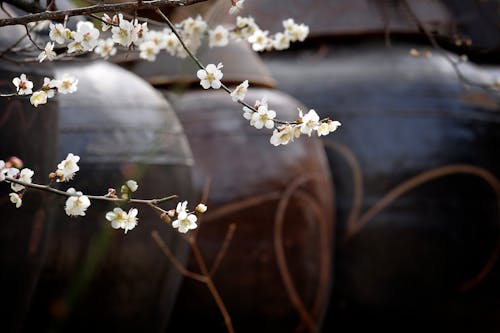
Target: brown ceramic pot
point(30, 134)
point(417, 185)
point(96, 277)
point(275, 273)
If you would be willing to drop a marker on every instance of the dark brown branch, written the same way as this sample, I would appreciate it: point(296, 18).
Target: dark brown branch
point(211, 287)
point(168, 253)
point(454, 64)
point(223, 249)
point(99, 8)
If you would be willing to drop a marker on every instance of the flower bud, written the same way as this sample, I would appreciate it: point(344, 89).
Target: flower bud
point(132, 185)
point(14, 162)
point(111, 193)
point(125, 192)
point(201, 208)
point(165, 217)
point(171, 213)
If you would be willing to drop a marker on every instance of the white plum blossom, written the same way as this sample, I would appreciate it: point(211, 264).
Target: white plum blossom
point(194, 27)
point(16, 199)
point(333, 125)
point(211, 76)
point(131, 219)
point(110, 21)
point(140, 32)
point(117, 217)
point(57, 33)
point(172, 43)
point(132, 185)
point(67, 168)
point(49, 86)
point(39, 97)
point(76, 46)
point(125, 33)
point(236, 6)
point(218, 36)
point(263, 117)
point(185, 222)
point(23, 85)
point(8, 172)
point(68, 84)
point(246, 27)
point(3, 171)
point(149, 50)
point(283, 135)
point(48, 53)
point(76, 204)
point(87, 34)
point(24, 176)
point(309, 122)
point(259, 40)
point(323, 129)
point(181, 207)
point(296, 32)
point(328, 127)
point(159, 38)
point(239, 93)
point(247, 114)
point(121, 220)
point(281, 41)
point(105, 48)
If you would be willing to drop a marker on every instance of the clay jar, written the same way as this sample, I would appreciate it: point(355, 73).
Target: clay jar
point(416, 182)
point(95, 276)
point(275, 272)
point(28, 133)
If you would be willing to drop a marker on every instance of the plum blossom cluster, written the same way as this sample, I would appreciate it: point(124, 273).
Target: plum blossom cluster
point(247, 29)
point(77, 203)
point(305, 124)
point(184, 220)
point(132, 34)
point(13, 169)
point(66, 85)
point(261, 116)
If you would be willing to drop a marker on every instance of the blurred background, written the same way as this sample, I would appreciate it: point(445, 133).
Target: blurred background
point(391, 223)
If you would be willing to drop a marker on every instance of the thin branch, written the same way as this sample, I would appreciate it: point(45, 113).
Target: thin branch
point(168, 253)
point(99, 8)
point(454, 64)
point(31, 38)
point(223, 249)
point(50, 189)
point(201, 66)
point(211, 286)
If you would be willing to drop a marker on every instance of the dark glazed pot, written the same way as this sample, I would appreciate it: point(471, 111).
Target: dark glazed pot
point(416, 172)
point(275, 273)
point(96, 276)
point(31, 134)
